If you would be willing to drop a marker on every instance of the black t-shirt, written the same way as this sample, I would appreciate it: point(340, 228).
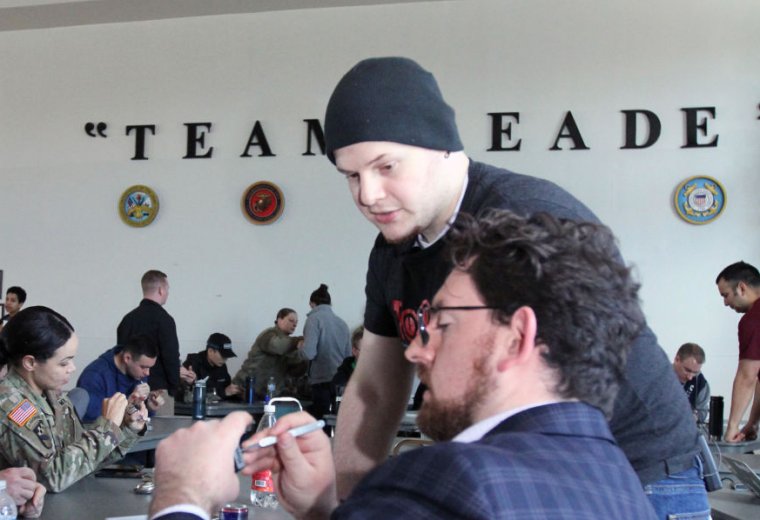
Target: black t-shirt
point(652, 420)
point(401, 277)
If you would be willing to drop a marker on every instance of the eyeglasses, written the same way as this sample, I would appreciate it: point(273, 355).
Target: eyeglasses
point(425, 308)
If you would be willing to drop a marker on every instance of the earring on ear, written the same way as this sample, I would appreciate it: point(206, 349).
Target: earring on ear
point(446, 155)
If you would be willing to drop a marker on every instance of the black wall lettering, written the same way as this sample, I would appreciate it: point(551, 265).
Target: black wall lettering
point(140, 140)
point(693, 124)
point(196, 140)
point(654, 129)
point(258, 138)
point(569, 130)
point(314, 130)
point(500, 128)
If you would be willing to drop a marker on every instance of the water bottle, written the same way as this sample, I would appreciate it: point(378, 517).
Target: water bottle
point(271, 389)
point(262, 486)
point(199, 400)
point(8, 509)
point(338, 398)
point(250, 387)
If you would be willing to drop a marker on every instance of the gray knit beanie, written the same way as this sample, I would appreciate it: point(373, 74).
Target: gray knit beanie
point(389, 99)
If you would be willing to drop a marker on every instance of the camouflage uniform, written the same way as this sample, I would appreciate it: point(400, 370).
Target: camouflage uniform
point(273, 354)
point(44, 433)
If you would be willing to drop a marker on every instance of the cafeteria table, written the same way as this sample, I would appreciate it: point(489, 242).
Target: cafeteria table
point(408, 422)
point(728, 504)
point(158, 429)
point(97, 498)
point(734, 447)
point(221, 408)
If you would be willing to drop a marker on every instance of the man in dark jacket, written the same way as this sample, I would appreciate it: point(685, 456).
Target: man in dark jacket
point(688, 368)
point(212, 364)
point(150, 318)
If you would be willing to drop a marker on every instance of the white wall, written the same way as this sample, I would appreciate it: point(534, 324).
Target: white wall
point(62, 238)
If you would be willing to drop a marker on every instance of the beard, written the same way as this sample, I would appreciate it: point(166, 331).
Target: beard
point(442, 420)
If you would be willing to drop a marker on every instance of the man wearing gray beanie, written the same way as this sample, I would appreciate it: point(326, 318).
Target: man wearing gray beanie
point(391, 133)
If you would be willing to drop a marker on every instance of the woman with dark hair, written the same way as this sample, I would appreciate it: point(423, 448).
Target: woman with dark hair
point(327, 342)
point(41, 430)
point(274, 353)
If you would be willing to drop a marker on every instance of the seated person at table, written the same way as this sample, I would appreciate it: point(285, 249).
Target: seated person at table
point(211, 363)
point(688, 368)
point(123, 368)
point(349, 364)
point(522, 350)
point(40, 428)
point(15, 297)
point(273, 354)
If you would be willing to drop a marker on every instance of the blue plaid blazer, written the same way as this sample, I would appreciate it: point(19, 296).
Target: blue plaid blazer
point(557, 461)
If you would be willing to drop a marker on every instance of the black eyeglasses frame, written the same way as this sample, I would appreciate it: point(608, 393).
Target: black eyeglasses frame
point(426, 308)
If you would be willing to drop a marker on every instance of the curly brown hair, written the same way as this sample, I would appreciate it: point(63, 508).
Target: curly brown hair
point(571, 275)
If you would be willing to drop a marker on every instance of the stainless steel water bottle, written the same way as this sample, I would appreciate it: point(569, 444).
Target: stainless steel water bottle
point(199, 400)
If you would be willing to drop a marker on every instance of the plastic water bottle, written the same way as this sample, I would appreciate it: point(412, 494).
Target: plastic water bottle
point(8, 509)
point(271, 389)
point(262, 486)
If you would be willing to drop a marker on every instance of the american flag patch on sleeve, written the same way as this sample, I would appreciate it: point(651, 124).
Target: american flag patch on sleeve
point(22, 412)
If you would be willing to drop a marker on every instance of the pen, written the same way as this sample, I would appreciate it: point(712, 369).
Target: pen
point(295, 432)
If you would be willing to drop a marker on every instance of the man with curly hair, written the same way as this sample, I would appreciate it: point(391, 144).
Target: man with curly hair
point(522, 349)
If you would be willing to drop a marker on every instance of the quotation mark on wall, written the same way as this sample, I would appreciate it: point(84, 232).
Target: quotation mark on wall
point(91, 128)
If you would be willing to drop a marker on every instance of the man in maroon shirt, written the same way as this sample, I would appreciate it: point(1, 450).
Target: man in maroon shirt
point(739, 286)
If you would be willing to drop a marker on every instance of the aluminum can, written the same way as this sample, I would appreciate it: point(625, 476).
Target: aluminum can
point(233, 512)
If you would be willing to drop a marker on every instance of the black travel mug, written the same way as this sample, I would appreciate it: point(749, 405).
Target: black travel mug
point(715, 425)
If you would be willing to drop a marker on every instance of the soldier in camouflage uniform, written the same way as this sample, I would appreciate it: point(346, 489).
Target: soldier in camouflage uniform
point(39, 428)
point(273, 354)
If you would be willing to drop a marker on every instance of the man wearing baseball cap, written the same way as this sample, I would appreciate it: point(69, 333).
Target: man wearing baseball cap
point(389, 131)
point(211, 363)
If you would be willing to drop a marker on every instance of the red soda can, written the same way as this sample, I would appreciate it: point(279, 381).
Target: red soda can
point(233, 512)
